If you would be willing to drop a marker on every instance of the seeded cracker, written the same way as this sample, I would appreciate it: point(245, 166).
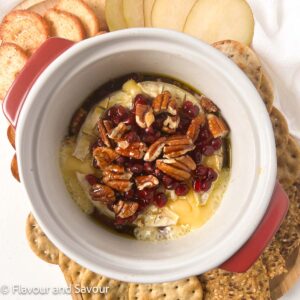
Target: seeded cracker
point(281, 130)
point(117, 289)
point(288, 163)
point(221, 285)
point(189, 288)
point(266, 91)
point(39, 243)
point(244, 57)
point(273, 260)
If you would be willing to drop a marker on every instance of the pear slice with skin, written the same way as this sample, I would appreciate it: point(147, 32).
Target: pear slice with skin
point(114, 15)
point(216, 20)
point(171, 14)
point(148, 6)
point(134, 13)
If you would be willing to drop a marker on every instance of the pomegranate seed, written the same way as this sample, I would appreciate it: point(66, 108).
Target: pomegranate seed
point(111, 112)
point(147, 194)
point(132, 137)
point(204, 134)
point(182, 189)
point(197, 156)
point(137, 168)
point(140, 99)
point(149, 167)
point(187, 105)
point(160, 199)
point(205, 186)
point(208, 150)
point(122, 112)
point(91, 179)
point(130, 120)
point(193, 112)
point(201, 171)
point(212, 175)
point(216, 143)
point(129, 195)
point(183, 124)
point(121, 160)
point(167, 181)
point(159, 174)
point(197, 185)
point(150, 130)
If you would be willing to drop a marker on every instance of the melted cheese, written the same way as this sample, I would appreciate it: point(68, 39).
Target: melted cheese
point(190, 211)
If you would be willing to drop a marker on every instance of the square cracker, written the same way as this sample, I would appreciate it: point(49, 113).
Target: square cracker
point(253, 284)
point(185, 289)
point(273, 260)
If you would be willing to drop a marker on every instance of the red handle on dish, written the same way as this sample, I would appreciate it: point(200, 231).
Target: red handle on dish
point(242, 260)
point(37, 63)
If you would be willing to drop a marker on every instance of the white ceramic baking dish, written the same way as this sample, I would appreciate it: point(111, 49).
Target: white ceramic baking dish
point(57, 79)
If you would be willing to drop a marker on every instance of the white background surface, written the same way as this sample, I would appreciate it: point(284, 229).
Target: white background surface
point(277, 40)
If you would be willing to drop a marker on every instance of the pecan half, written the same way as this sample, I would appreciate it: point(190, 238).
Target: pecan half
point(136, 150)
point(155, 149)
point(217, 126)
point(178, 168)
point(124, 209)
point(104, 156)
point(118, 132)
point(144, 116)
point(77, 120)
point(164, 103)
point(177, 146)
point(102, 193)
point(117, 178)
point(148, 181)
point(195, 126)
point(171, 124)
point(103, 129)
point(208, 105)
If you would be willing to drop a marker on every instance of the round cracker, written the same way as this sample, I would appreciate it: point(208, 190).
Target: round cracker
point(81, 10)
point(12, 60)
point(11, 135)
point(116, 289)
point(64, 25)
point(27, 29)
point(288, 164)
point(98, 6)
point(27, 4)
point(189, 288)
point(281, 130)
point(42, 7)
point(14, 168)
point(244, 57)
point(266, 91)
point(73, 272)
point(39, 243)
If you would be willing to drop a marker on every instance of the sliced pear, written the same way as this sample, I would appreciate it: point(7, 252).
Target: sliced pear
point(134, 13)
point(114, 15)
point(216, 20)
point(159, 234)
point(171, 14)
point(154, 88)
point(148, 5)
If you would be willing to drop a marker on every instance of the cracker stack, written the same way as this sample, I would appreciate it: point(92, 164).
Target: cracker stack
point(279, 265)
point(24, 29)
